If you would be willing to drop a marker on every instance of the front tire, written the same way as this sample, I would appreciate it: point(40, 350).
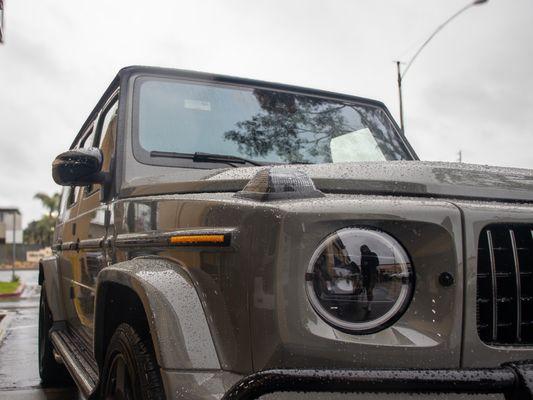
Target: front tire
point(130, 368)
point(51, 372)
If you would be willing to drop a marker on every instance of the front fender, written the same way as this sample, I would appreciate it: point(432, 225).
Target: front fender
point(49, 277)
point(178, 325)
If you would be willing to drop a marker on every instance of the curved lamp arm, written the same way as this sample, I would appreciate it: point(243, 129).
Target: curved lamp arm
point(439, 28)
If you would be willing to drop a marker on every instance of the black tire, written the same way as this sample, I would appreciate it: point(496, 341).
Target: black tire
point(51, 372)
point(130, 368)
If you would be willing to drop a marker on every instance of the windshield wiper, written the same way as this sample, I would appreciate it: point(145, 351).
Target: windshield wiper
point(206, 157)
point(222, 158)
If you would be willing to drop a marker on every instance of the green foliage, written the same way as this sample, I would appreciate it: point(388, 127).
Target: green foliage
point(8, 287)
point(42, 231)
point(51, 203)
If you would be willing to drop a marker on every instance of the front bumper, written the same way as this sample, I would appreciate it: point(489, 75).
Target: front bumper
point(515, 381)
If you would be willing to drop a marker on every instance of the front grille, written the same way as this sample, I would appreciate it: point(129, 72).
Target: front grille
point(505, 284)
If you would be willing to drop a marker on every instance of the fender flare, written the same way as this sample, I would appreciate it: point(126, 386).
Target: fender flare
point(49, 276)
point(178, 325)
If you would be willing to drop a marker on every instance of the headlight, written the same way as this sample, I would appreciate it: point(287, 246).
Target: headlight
point(360, 280)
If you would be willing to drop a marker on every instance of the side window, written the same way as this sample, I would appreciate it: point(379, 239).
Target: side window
point(108, 134)
point(72, 194)
point(104, 139)
point(88, 141)
point(65, 195)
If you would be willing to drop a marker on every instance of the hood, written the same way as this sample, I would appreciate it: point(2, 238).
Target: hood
point(407, 178)
point(389, 178)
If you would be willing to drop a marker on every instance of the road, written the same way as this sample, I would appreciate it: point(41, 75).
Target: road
point(19, 374)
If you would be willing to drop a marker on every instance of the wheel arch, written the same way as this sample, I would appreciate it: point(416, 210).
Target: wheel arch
point(49, 278)
point(160, 291)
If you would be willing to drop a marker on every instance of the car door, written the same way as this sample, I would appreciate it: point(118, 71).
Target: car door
point(92, 224)
point(66, 237)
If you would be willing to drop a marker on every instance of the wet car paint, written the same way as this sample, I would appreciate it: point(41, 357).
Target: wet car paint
point(253, 292)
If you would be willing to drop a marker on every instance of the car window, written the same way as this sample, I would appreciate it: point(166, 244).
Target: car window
point(72, 195)
point(262, 125)
point(65, 194)
point(105, 139)
point(88, 141)
point(107, 136)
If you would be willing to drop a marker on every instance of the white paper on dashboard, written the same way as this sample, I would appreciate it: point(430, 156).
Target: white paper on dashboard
point(356, 146)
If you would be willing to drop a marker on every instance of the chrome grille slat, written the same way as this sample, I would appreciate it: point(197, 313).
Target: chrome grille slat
point(505, 284)
point(494, 286)
point(518, 287)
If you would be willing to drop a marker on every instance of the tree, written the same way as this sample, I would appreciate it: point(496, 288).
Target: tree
point(295, 128)
point(51, 203)
point(41, 231)
point(299, 129)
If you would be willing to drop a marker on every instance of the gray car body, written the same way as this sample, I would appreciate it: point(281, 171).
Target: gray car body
point(217, 314)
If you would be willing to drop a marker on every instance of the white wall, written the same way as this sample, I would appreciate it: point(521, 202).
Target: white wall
point(18, 236)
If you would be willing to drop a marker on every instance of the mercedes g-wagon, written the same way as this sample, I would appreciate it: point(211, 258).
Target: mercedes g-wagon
point(229, 238)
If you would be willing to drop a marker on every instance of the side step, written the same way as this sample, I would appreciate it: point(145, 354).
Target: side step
point(77, 359)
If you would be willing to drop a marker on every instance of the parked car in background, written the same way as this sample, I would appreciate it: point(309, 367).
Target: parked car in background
point(223, 237)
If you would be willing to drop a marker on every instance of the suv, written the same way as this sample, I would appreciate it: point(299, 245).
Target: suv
point(222, 237)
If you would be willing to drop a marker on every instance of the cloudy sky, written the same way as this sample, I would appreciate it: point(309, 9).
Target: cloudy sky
point(471, 89)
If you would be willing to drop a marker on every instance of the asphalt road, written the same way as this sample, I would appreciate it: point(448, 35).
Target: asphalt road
point(19, 374)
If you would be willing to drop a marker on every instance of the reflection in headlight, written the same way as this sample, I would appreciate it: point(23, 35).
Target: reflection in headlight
point(359, 279)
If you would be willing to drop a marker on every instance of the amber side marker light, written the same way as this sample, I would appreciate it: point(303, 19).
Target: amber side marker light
point(198, 239)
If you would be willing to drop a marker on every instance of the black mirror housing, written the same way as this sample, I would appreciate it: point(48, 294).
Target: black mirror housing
point(78, 167)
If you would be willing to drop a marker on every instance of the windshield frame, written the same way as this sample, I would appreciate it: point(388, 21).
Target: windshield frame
point(143, 156)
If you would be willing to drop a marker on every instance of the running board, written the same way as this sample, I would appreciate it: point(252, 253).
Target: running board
point(77, 359)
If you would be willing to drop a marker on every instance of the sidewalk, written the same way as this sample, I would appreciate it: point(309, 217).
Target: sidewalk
point(19, 374)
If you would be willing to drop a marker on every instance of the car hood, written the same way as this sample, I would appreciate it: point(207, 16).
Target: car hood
point(405, 178)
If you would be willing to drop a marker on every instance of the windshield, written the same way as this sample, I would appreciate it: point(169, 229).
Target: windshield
point(176, 118)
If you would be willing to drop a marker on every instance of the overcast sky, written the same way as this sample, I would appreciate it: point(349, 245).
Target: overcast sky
point(471, 88)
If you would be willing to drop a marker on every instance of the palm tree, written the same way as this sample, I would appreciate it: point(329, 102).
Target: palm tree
point(42, 230)
point(51, 203)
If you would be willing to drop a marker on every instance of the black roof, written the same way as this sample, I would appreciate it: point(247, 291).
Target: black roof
point(204, 76)
point(10, 210)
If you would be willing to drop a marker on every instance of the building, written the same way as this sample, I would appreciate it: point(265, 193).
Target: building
point(8, 218)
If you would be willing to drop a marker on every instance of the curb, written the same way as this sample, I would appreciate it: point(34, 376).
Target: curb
point(4, 324)
point(16, 293)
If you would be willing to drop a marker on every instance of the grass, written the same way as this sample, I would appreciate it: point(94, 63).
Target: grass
point(8, 287)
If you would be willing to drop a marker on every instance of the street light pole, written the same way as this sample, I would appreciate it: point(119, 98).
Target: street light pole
point(14, 244)
point(400, 92)
point(1, 21)
point(401, 74)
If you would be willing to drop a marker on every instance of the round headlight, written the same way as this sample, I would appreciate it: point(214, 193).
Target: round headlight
point(360, 280)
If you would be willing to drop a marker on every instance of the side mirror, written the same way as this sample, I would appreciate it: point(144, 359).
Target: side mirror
point(79, 167)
